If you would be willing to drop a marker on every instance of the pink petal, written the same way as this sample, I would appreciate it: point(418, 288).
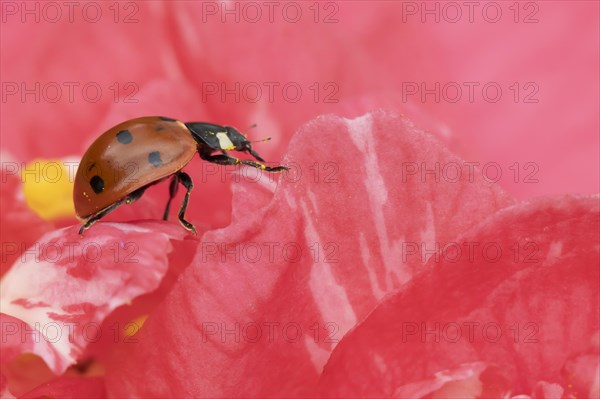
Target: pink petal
point(70, 388)
point(66, 286)
point(20, 226)
point(19, 338)
point(528, 315)
point(336, 237)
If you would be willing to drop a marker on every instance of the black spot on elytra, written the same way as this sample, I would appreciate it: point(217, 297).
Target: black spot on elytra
point(124, 137)
point(97, 184)
point(158, 128)
point(164, 118)
point(154, 158)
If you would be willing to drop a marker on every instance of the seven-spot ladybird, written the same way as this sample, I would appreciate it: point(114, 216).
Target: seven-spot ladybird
point(123, 162)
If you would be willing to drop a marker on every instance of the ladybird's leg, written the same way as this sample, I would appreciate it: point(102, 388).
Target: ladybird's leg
point(250, 151)
point(99, 215)
point(255, 155)
point(186, 181)
point(173, 186)
point(136, 195)
point(229, 160)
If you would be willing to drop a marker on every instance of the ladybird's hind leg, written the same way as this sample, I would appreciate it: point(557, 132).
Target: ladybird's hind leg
point(100, 214)
point(186, 181)
point(224, 159)
point(173, 186)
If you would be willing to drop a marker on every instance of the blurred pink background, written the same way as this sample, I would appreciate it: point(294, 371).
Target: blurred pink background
point(164, 58)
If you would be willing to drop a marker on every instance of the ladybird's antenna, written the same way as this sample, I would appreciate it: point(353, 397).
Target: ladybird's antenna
point(261, 140)
point(254, 125)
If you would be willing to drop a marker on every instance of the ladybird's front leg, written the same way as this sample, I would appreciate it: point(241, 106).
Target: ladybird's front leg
point(255, 155)
point(99, 215)
point(229, 160)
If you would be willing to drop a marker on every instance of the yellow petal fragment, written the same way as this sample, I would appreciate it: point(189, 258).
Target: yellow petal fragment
point(48, 188)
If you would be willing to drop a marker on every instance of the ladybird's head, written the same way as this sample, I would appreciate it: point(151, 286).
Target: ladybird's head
point(242, 143)
point(226, 138)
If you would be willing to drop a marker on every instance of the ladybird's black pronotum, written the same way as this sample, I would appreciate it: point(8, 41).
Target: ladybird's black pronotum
point(123, 162)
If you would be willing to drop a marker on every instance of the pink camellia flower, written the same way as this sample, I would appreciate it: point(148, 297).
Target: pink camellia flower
point(380, 265)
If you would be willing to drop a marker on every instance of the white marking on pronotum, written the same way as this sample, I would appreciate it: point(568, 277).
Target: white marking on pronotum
point(361, 133)
point(224, 141)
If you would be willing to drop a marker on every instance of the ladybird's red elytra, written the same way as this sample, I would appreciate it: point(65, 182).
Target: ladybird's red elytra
point(128, 158)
